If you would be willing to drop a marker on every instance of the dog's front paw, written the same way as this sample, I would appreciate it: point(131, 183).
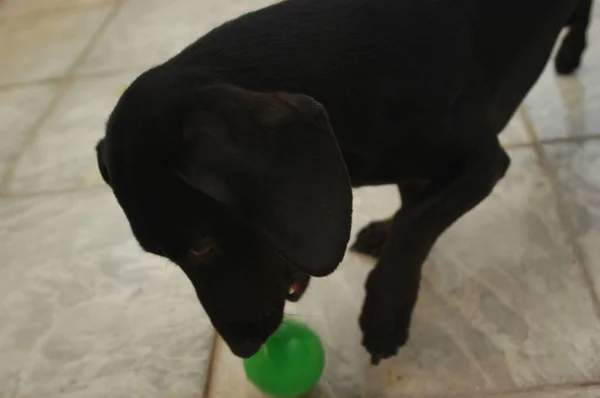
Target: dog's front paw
point(385, 326)
point(372, 238)
point(566, 62)
point(569, 55)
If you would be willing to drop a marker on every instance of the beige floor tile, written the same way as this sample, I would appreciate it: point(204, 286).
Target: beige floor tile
point(62, 155)
point(45, 45)
point(582, 392)
point(502, 305)
point(161, 29)
point(227, 377)
point(13, 8)
point(84, 313)
point(562, 107)
point(19, 110)
point(228, 381)
point(515, 132)
point(577, 167)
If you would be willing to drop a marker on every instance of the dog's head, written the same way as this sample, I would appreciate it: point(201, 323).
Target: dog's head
point(247, 192)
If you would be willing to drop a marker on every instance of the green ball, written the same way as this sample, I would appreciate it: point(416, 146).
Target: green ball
point(289, 364)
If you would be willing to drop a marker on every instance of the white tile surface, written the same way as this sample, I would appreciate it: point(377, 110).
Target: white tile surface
point(515, 132)
point(19, 110)
point(582, 392)
point(562, 107)
point(45, 45)
point(503, 305)
point(63, 153)
point(84, 313)
point(148, 32)
point(576, 166)
point(13, 8)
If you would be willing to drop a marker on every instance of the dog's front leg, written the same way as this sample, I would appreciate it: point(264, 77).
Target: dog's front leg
point(372, 239)
point(392, 286)
point(568, 57)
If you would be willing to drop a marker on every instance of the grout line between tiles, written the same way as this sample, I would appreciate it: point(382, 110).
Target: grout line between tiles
point(529, 126)
point(567, 140)
point(536, 389)
point(208, 383)
point(518, 145)
point(39, 82)
point(31, 135)
point(561, 209)
point(50, 193)
point(78, 76)
point(523, 392)
point(51, 10)
point(62, 88)
point(511, 393)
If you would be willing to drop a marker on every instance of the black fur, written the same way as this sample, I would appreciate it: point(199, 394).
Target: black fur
point(235, 159)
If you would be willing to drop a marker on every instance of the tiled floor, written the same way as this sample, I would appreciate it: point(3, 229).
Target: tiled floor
point(509, 305)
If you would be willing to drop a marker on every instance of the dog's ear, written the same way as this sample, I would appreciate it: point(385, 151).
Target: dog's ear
point(100, 158)
point(273, 159)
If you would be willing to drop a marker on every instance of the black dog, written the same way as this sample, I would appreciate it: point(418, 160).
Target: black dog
point(235, 159)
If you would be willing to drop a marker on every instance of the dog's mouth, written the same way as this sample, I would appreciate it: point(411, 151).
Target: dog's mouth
point(246, 350)
point(256, 333)
point(297, 284)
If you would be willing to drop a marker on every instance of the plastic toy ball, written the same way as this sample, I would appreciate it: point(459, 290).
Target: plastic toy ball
point(289, 364)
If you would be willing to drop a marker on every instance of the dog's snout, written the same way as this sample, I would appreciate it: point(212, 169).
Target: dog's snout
point(270, 313)
point(247, 349)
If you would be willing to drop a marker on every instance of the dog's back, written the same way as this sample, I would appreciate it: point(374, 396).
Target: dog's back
point(415, 53)
point(512, 44)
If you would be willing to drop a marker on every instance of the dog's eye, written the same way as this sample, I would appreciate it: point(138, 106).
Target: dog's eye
point(203, 251)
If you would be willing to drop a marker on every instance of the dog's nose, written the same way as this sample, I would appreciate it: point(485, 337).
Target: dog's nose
point(247, 349)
